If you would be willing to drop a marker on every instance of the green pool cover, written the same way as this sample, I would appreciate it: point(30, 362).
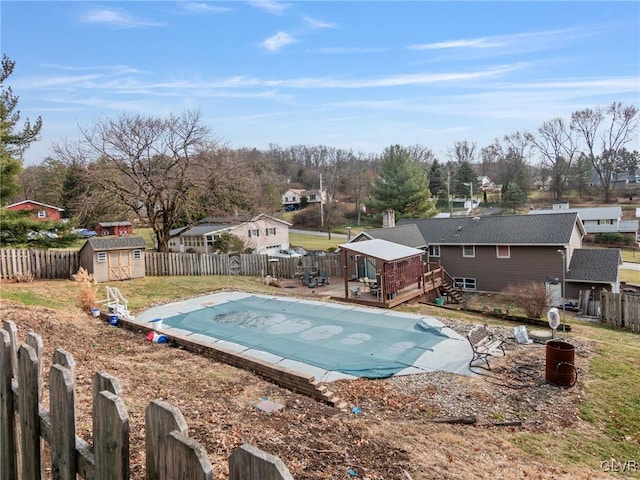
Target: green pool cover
point(344, 339)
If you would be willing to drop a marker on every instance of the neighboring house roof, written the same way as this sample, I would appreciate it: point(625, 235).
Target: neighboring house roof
point(594, 265)
point(214, 225)
point(595, 213)
point(407, 235)
point(36, 203)
point(115, 243)
point(382, 249)
point(114, 224)
point(498, 230)
point(202, 230)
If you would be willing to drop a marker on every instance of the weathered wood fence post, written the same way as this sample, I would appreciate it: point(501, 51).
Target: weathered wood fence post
point(25, 425)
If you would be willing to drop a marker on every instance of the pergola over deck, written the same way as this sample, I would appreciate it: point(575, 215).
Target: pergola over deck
point(400, 272)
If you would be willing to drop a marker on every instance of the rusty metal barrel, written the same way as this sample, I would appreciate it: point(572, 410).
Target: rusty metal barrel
point(560, 368)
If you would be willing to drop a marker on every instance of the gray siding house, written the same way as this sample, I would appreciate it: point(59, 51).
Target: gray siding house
point(489, 253)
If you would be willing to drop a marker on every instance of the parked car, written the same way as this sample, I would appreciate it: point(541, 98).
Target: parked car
point(299, 250)
point(316, 253)
point(286, 254)
point(86, 233)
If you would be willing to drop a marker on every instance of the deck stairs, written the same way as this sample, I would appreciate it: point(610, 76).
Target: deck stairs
point(451, 292)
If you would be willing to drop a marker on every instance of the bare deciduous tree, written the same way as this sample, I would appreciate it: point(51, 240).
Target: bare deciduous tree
point(558, 145)
point(605, 132)
point(159, 168)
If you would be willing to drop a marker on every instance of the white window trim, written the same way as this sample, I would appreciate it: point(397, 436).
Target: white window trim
point(508, 255)
point(464, 251)
point(467, 283)
point(101, 257)
point(436, 250)
point(42, 214)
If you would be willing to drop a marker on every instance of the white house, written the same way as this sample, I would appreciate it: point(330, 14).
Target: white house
point(260, 234)
point(597, 219)
point(292, 198)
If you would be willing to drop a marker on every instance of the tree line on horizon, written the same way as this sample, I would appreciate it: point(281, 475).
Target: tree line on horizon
point(173, 171)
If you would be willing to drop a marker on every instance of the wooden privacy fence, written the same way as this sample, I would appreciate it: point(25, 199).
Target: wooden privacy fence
point(25, 425)
point(53, 264)
point(620, 310)
point(42, 264)
point(163, 264)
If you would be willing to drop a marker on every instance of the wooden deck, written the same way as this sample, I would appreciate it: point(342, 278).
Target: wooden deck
point(431, 281)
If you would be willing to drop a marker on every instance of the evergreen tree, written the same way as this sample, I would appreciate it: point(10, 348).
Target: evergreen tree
point(437, 182)
point(513, 197)
point(13, 142)
point(402, 185)
point(465, 174)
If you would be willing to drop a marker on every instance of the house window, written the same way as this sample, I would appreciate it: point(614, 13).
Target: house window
point(503, 251)
point(434, 250)
point(466, 283)
point(137, 254)
point(312, 198)
point(42, 214)
point(469, 251)
point(254, 233)
point(271, 231)
point(101, 257)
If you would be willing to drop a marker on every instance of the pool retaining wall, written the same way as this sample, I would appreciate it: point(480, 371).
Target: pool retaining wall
point(303, 383)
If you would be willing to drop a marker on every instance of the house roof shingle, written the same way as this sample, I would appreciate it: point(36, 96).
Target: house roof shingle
point(498, 230)
point(594, 265)
point(408, 235)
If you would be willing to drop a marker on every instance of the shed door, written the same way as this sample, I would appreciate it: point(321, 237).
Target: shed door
point(120, 265)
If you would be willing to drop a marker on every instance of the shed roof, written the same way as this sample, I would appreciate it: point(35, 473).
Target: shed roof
point(382, 249)
point(594, 265)
point(99, 244)
point(114, 224)
point(499, 229)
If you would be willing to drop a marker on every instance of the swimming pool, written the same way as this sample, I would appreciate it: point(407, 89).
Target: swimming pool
point(328, 339)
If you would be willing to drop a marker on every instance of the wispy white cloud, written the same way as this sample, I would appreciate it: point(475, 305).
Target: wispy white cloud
point(270, 6)
point(469, 43)
point(512, 43)
point(317, 23)
point(201, 7)
point(278, 41)
point(117, 18)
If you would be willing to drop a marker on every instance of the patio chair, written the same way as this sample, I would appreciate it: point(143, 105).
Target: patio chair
point(323, 278)
point(309, 280)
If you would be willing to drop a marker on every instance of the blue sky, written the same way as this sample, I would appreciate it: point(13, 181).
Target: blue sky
point(354, 75)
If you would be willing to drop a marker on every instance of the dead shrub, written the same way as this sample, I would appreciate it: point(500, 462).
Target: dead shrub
point(88, 290)
point(532, 297)
point(27, 277)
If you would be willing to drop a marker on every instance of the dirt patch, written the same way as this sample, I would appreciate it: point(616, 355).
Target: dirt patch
point(389, 435)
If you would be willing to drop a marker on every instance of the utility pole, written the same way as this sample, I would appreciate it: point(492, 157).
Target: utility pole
point(321, 204)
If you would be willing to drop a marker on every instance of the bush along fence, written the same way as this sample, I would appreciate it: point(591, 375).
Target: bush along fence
point(16, 264)
point(25, 425)
point(621, 310)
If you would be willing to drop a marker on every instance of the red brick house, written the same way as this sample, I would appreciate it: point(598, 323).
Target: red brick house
point(39, 211)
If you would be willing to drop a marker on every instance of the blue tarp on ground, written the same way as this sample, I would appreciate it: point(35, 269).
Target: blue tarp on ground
point(339, 338)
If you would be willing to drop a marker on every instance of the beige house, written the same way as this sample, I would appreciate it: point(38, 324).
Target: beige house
point(292, 198)
point(113, 258)
point(261, 234)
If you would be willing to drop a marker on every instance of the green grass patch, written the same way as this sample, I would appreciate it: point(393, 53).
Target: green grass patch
point(315, 242)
